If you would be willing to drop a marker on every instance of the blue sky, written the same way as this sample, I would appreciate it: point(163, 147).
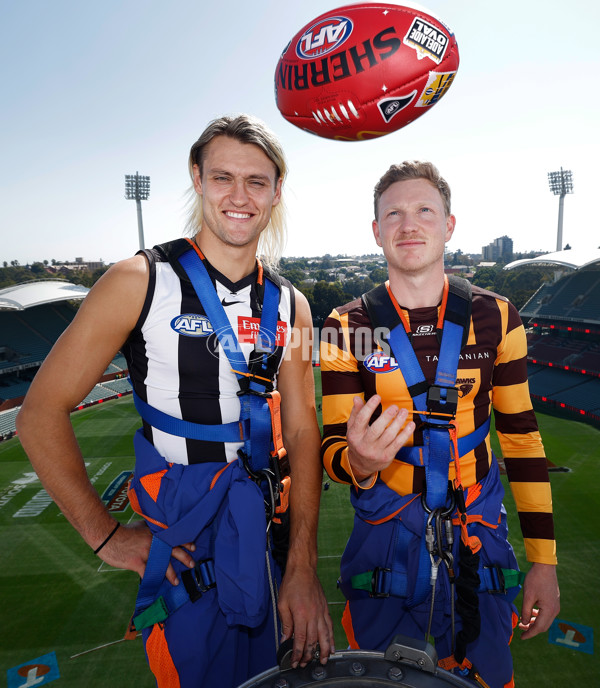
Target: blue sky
point(94, 91)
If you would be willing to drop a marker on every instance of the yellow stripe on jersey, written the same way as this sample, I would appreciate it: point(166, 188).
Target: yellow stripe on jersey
point(532, 497)
point(540, 551)
point(332, 358)
point(338, 407)
point(526, 446)
point(512, 399)
point(503, 308)
point(515, 346)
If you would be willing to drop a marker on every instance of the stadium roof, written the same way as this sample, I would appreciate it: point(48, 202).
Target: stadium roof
point(572, 258)
point(21, 296)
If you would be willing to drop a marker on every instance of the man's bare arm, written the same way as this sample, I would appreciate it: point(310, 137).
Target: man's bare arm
point(302, 603)
point(75, 364)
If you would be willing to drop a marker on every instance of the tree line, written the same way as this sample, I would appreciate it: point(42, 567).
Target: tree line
point(325, 281)
point(14, 273)
point(331, 288)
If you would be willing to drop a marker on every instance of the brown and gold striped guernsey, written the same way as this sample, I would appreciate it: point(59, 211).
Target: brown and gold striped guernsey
point(492, 373)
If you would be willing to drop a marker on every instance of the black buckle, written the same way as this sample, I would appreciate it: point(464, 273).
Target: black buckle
point(376, 582)
point(245, 381)
point(500, 582)
point(200, 579)
point(270, 476)
point(442, 400)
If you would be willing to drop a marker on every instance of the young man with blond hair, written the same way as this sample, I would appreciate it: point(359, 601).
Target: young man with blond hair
point(222, 397)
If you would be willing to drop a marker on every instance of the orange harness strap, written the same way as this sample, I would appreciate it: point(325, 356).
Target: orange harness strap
point(471, 541)
point(274, 401)
point(450, 663)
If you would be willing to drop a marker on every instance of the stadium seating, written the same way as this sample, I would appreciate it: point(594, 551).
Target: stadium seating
point(573, 297)
point(7, 422)
point(122, 386)
point(26, 337)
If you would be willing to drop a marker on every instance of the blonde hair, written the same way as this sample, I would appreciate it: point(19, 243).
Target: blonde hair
point(245, 129)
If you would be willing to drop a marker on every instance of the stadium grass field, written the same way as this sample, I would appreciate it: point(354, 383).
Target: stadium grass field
point(56, 596)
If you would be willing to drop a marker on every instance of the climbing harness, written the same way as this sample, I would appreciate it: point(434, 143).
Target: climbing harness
point(444, 505)
point(262, 456)
point(436, 404)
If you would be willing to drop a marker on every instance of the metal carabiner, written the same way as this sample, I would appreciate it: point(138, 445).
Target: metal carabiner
point(429, 535)
point(446, 510)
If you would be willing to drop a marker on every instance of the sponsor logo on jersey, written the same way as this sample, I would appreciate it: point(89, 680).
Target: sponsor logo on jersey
point(427, 40)
point(465, 385)
point(424, 330)
point(437, 85)
point(226, 302)
point(323, 37)
point(379, 362)
point(390, 107)
point(192, 325)
point(248, 329)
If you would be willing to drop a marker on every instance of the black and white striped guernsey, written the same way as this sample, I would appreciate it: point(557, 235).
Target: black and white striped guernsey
point(176, 363)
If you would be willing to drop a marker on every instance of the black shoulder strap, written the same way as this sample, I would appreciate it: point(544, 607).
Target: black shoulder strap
point(382, 313)
point(458, 307)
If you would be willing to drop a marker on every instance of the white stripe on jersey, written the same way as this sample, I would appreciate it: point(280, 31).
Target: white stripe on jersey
point(162, 342)
point(162, 381)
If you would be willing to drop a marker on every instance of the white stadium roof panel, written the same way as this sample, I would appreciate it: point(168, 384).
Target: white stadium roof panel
point(21, 296)
point(572, 258)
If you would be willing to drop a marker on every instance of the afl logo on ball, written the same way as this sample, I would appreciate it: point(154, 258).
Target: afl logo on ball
point(390, 107)
point(192, 325)
point(379, 362)
point(323, 37)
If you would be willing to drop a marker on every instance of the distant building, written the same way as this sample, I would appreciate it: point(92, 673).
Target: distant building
point(464, 270)
point(501, 249)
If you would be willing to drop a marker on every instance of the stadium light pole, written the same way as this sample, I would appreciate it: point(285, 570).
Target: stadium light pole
point(137, 188)
point(561, 183)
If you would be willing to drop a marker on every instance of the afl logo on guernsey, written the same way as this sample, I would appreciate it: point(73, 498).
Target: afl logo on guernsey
point(379, 362)
point(192, 325)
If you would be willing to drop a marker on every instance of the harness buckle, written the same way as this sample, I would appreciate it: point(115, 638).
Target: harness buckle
point(442, 400)
point(378, 582)
point(269, 476)
point(249, 379)
point(200, 579)
point(497, 581)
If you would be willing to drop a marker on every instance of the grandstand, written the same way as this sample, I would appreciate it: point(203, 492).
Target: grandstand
point(562, 320)
point(32, 317)
point(563, 330)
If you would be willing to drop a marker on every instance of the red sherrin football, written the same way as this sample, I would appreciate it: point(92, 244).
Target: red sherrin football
point(364, 70)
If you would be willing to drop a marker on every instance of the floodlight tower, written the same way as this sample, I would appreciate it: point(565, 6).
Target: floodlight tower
point(137, 188)
point(561, 184)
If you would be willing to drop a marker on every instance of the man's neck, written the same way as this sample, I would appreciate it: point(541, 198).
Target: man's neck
point(234, 262)
point(416, 290)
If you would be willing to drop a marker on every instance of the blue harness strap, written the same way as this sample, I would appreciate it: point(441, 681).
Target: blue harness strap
point(382, 582)
point(156, 597)
point(253, 386)
point(436, 404)
point(227, 432)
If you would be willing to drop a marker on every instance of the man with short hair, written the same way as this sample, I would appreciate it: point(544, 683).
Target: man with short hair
point(206, 329)
point(410, 372)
